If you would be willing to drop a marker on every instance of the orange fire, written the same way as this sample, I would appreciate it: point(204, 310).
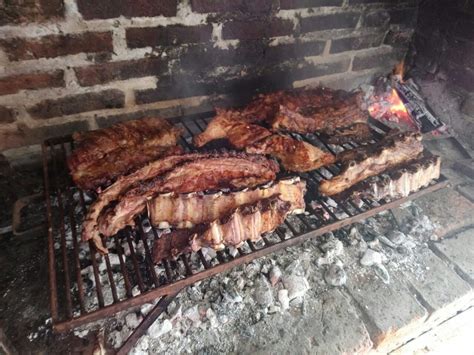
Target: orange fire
point(390, 108)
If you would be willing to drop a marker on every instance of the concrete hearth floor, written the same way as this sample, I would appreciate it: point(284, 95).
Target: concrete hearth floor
point(406, 295)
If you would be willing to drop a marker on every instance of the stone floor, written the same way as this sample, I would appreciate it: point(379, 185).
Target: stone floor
point(364, 289)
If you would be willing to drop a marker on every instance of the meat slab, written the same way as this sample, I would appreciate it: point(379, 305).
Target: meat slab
point(294, 155)
point(181, 174)
point(247, 222)
point(399, 181)
point(187, 210)
point(373, 159)
point(128, 144)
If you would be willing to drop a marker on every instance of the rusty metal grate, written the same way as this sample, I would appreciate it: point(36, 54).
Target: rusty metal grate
point(132, 279)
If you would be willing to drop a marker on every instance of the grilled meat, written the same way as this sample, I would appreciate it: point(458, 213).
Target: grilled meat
point(186, 210)
point(294, 155)
point(399, 181)
point(240, 133)
point(373, 159)
point(219, 171)
point(119, 162)
point(357, 133)
point(124, 183)
point(135, 142)
point(247, 222)
point(308, 117)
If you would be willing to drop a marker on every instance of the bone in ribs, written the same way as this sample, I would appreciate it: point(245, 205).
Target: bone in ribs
point(195, 173)
point(366, 161)
point(398, 182)
point(186, 210)
point(247, 222)
point(131, 143)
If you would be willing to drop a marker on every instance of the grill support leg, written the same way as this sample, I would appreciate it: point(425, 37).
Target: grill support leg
point(150, 318)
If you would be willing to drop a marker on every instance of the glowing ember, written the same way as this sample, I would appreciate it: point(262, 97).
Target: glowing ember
point(389, 107)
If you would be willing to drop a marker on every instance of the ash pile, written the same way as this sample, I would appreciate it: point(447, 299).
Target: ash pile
point(252, 305)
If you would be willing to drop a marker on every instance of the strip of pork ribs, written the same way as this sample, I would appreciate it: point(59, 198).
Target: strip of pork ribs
point(370, 160)
point(187, 210)
point(399, 181)
point(247, 222)
point(219, 171)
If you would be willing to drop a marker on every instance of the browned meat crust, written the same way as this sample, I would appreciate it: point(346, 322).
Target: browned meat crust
point(187, 210)
point(294, 155)
point(218, 171)
point(356, 133)
point(247, 222)
point(305, 116)
point(239, 132)
point(131, 141)
point(399, 181)
point(113, 192)
point(373, 159)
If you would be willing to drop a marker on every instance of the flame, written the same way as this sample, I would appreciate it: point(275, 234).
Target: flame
point(399, 70)
point(390, 107)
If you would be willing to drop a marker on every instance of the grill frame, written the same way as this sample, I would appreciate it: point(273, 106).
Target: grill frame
point(63, 308)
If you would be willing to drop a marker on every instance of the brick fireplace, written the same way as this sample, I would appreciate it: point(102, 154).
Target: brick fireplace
point(81, 64)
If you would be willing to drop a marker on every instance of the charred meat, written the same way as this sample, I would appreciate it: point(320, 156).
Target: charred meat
point(293, 154)
point(134, 142)
point(373, 159)
point(215, 171)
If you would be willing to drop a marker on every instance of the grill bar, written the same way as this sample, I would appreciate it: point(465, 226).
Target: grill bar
point(136, 270)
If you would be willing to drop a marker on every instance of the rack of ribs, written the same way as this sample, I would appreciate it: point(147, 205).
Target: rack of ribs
point(181, 174)
point(398, 182)
point(187, 210)
point(370, 160)
point(102, 155)
point(246, 222)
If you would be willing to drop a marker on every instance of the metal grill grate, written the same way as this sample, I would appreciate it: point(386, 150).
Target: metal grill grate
point(131, 278)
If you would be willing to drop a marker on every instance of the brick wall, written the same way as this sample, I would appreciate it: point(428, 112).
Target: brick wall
point(444, 40)
point(70, 65)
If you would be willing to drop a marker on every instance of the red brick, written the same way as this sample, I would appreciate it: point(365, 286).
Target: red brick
point(165, 36)
point(329, 22)
point(106, 72)
point(7, 115)
point(249, 6)
point(21, 11)
point(254, 29)
point(73, 104)
point(296, 4)
point(57, 45)
point(92, 9)
point(13, 84)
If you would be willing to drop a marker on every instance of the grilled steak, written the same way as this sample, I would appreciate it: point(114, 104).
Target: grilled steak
point(219, 171)
point(373, 159)
point(307, 117)
point(294, 155)
point(399, 181)
point(135, 142)
point(247, 222)
point(186, 210)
